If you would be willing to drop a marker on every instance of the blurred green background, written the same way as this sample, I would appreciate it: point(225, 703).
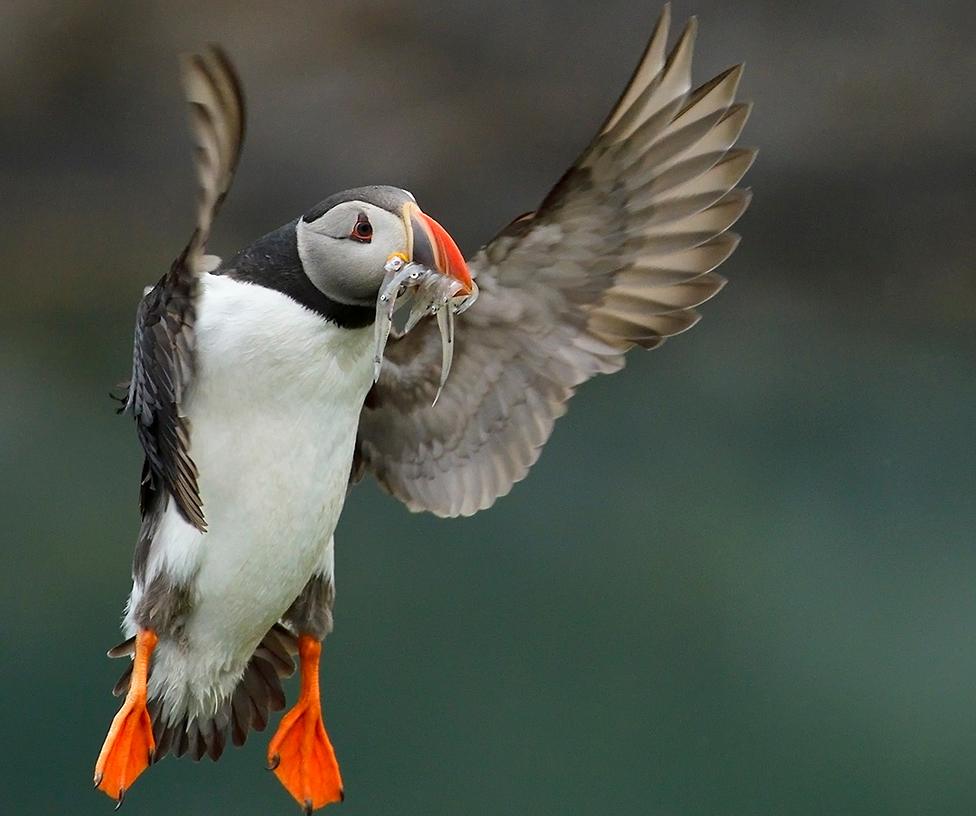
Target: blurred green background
point(741, 578)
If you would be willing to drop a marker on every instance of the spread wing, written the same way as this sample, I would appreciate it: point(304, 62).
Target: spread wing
point(163, 358)
point(619, 254)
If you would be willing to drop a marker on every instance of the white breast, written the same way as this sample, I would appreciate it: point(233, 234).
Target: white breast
point(273, 408)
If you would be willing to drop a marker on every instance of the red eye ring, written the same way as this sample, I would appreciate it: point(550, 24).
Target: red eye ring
point(362, 230)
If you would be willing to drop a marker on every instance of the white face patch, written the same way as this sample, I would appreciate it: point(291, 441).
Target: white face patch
point(347, 269)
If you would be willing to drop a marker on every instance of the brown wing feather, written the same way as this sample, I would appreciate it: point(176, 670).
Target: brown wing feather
point(619, 254)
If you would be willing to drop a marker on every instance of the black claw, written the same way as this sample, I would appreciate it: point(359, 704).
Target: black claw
point(98, 780)
point(121, 798)
point(342, 795)
point(308, 807)
point(275, 762)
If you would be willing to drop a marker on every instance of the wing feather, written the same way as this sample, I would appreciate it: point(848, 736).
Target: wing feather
point(621, 252)
point(163, 355)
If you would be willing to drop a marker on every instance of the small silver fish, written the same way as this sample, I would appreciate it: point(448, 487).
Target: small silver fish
point(428, 292)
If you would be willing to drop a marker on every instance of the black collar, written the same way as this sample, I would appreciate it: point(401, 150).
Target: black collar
point(273, 262)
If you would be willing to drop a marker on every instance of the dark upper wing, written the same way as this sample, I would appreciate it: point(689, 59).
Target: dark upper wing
point(163, 359)
point(619, 254)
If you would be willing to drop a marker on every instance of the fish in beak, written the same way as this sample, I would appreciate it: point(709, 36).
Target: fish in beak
point(435, 279)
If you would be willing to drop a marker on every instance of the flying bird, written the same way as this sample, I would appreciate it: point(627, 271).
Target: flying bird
point(264, 385)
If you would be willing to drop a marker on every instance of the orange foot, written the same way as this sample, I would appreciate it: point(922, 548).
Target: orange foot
point(300, 753)
point(128, 747)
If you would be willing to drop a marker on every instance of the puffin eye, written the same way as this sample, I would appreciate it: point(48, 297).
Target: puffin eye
point(362, 231)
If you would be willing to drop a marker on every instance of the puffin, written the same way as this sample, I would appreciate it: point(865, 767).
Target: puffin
point(266, 385)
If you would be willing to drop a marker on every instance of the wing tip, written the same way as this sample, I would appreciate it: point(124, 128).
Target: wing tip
point(213, 67)
point(661, 26)
point(688, 34)
point(747, 155)
point(719, 281)
point(743, 109)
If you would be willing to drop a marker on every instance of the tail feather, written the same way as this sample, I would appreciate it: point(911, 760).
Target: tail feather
point(126, 648)
point(257, 694)
point(240, 720)
point(122, 686)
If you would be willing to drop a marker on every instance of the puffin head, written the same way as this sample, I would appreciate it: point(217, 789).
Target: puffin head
point(346, 241)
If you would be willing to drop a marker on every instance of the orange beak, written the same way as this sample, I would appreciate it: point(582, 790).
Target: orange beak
point(435, 249)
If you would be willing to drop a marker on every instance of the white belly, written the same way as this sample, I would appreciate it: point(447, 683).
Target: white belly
point(273, 410)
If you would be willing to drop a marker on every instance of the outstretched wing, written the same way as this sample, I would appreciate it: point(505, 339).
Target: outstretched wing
point(163, 357)
point(619, 254)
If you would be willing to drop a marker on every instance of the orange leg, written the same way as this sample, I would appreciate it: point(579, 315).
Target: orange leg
point(300, 752)
point(128, 747)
